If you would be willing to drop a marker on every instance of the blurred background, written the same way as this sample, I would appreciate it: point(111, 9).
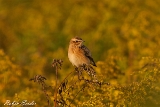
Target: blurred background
point(34, 32)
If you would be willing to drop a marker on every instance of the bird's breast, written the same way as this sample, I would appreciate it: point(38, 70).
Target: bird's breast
point(77, 58)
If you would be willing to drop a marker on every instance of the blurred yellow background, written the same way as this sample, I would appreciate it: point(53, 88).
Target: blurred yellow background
point(34, 32)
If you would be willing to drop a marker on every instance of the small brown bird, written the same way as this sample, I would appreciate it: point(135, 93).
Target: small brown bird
point(79, 54)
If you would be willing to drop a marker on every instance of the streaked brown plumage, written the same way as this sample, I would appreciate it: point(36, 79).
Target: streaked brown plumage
point(79, 54)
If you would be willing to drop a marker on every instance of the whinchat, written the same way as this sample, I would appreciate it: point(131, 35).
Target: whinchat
point(79, 54)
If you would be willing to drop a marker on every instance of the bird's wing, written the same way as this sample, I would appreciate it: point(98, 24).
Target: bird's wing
point(88, 54)
point(86, 50)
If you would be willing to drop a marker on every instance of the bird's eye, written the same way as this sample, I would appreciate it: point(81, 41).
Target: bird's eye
point(76, 41)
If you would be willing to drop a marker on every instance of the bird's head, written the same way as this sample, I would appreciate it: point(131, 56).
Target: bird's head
point(76, 41)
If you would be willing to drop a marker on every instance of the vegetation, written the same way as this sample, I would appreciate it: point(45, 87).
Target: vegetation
point(123, 36)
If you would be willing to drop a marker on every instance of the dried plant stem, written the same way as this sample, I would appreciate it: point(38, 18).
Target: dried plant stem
point(56, 89)
point(57, 64)
point(65, 79)
point(77, 94)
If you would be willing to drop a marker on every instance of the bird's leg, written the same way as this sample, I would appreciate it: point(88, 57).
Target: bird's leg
point(76, 69)
point(79, 72)
point(84, 66)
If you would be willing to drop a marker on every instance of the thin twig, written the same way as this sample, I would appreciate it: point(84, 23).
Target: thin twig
point(57, 63)
point(55, 93)
point(77, 94)
point(65, 79)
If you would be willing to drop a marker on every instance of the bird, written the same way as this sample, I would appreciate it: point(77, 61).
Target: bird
point(79, 54)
